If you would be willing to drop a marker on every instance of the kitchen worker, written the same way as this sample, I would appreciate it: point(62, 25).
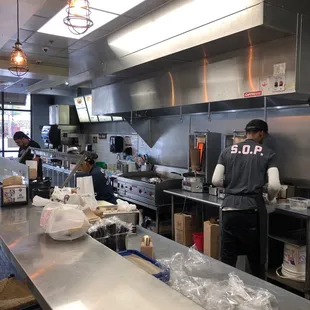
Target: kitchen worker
point(242, 170)
point(102, 185)
point(23, 141)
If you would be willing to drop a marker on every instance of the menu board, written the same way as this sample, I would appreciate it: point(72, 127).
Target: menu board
point(117, 118)
point(103, 118)
point(89, 104)
point(81, 109)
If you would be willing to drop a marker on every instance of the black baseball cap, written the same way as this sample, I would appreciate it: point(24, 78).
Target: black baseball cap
point(90, 155)
point(257, 125)
point(19, 135)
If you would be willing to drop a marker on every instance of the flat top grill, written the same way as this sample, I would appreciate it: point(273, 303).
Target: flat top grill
point(147, 177)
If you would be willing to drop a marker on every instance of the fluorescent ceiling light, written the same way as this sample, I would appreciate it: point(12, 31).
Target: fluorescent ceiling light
point(182, 19)
point(56, 27)
point(114, 6)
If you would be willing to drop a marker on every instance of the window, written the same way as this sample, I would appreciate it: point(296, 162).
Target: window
point(15, 116)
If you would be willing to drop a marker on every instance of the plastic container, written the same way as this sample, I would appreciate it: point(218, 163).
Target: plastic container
point(117, 242)
point(198, 240)
point(298, 203)
point(163, 276)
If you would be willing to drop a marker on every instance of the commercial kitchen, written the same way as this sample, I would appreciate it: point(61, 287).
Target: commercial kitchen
point(115, 118)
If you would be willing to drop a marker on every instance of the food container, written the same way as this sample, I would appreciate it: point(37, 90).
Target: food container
point(298, 203)
point(162, 273)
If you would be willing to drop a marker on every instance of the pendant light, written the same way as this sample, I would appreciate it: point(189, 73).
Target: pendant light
point(78, 16)
point(18, 59)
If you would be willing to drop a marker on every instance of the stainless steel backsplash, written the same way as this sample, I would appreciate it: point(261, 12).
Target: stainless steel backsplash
point(289, 137)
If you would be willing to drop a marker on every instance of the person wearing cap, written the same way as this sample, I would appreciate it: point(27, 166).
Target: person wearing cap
point(102, 185)
point(23, 141)
point(242, 170)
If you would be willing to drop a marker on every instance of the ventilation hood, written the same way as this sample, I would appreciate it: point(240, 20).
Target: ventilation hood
point(259, 50)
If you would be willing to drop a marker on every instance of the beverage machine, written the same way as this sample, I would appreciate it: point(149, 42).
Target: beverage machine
point(204, 151)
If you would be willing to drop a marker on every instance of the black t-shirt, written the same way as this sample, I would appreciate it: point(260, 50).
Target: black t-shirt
point(29, 155)
point(246, 165)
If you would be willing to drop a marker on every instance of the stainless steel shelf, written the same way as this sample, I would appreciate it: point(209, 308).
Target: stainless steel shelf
point(298, 286)
point(290, 238)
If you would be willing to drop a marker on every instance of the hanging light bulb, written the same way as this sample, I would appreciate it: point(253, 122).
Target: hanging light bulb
point(18, 59)
point(78, 16)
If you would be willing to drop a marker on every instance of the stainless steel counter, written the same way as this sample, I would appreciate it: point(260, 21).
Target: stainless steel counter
point(200, 197)
point(164, 247)
point(213, 200)
point(85, 275)
point(281, 208)
point(82, 274)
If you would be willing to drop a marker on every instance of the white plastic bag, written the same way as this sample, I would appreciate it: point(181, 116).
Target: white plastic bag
point(40, 202)
point(60, 193)
point(85, 185)
point(89, 201)
point(63, 222)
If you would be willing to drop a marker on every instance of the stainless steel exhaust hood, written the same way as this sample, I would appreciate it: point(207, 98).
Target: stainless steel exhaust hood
point(256, 50)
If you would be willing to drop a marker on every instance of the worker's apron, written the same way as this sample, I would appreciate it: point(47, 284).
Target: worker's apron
point(262, 223)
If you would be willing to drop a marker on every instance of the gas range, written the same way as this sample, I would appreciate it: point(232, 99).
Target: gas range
point(146, 188)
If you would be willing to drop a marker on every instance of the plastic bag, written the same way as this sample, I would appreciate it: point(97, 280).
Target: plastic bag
point(211, 293)
point(89, 201)
point(63, 222)
point(59, 194)
point(40, 202)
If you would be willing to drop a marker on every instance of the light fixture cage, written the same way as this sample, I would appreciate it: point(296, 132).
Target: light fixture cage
point(18, 60)
point(78, 16)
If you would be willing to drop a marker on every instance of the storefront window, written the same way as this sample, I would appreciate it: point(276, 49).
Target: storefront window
point(15, 117)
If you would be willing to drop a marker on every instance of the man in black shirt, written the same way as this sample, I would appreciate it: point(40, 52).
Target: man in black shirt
point(243, 169)
point(23, 141)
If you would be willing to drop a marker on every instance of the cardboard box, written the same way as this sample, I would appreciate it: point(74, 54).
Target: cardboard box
point(14, 180)
point(211, 231)
point(183, 229)
point(33, 169)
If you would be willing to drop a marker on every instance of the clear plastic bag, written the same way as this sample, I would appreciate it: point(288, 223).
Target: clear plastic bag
point(63, 222)
point(211, 293)
point(89, 201)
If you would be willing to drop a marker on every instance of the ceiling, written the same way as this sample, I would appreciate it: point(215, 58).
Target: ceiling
point(48, 54)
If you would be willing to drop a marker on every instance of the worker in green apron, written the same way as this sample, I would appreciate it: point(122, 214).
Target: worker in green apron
point(242, 170)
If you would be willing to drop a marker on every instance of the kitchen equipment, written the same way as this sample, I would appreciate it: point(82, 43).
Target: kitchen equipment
point(63, 114)
point(60, 137)
point(196, 158)
point(204, 151)
point(193, 182)
point(213, 191)
point(116, 144)
point(139, 188)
